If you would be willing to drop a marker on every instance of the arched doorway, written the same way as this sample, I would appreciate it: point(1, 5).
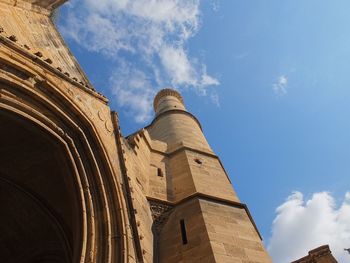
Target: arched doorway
point(40, 215)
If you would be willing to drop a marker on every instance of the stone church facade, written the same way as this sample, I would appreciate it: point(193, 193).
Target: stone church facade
point(73, 189)
point(321, 254)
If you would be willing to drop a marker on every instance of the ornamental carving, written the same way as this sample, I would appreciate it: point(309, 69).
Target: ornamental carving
point(160, 214)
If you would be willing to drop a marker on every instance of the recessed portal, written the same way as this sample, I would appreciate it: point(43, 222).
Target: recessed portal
point(40, 215)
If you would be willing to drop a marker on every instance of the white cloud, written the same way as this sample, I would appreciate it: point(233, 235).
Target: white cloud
point(215, 5)
point(215, 99)
point(133, 91)
point(149, 36)
point(178, 66)
point(207, 80)
point(280, 87)
point(302, 225)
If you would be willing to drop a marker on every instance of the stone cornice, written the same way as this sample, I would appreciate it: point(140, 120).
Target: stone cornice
point(209, 198)
point(177, 111)
point(174, 150)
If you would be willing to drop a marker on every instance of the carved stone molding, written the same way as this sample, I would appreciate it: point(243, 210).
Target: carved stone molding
point(160, 214)
point(13, 71)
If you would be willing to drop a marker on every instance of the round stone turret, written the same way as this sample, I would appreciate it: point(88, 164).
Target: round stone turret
point(168, 99)
point(173, 124)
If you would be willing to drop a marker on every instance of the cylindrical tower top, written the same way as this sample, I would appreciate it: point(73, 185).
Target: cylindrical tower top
point(176, 126)
point(168, 99)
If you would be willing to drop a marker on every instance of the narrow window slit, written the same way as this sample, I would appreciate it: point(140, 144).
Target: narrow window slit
point(198, 161)
point(159, 172)
point(183, 232)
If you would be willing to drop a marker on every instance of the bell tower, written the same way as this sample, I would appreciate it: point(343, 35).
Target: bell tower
point(207, 223)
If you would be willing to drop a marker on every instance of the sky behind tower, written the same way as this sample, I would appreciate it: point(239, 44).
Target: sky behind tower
point(269, 81)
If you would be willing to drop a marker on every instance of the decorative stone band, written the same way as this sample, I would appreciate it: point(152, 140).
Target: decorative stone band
point(180, 148)
point(166, 92)
point(174, 111)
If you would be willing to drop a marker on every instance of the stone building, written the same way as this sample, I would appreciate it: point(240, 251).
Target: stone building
point(321, 254)
point(73, 189)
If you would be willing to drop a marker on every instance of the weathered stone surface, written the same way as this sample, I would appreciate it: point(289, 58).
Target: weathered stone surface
point(21, 21)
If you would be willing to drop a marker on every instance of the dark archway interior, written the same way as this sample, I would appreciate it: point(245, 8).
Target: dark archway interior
point(40, 213)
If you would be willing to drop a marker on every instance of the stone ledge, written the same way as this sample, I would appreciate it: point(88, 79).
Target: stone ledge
point(210, 199)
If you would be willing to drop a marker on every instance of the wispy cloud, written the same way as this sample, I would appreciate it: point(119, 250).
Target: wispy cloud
point(215, 99)
point(133, 90)
point(145, 41)
point(215, 5)
point(241, 55)
point(280, 87)
point(302, 225)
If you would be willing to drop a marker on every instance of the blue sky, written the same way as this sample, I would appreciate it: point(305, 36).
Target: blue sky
point(269, 81)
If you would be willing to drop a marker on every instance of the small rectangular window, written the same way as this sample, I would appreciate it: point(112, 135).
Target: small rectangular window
point(183, 232)
point(159, 172)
